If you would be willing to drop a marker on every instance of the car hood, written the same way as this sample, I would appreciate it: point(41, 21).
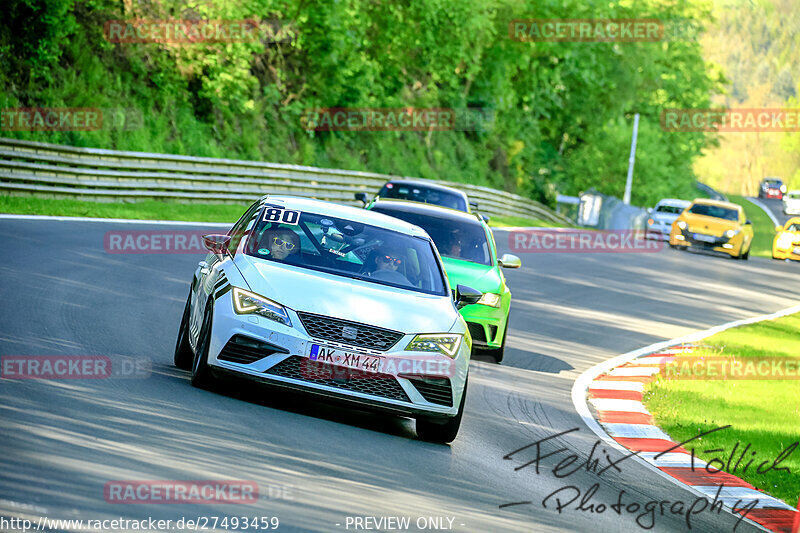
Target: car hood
point(483, 278)
point(666, 218)
point(366, 302)
point(710, 225)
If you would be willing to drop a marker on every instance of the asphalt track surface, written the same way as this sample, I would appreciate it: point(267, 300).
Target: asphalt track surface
point(316, 465)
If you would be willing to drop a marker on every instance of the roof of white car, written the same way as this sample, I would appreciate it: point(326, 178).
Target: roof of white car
point(356, 214)
point(674, 202)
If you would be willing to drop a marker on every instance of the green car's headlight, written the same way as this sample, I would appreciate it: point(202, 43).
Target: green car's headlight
point(491, 299)
point(446, 343)
point(246, 302)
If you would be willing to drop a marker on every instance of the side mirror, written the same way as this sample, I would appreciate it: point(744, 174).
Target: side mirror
point(473, 205)
point(747, 223)
point(217, 244)
point(485, 218)
point(362, 197)
point(510, 261)
point(778, 229)
point(466, 296)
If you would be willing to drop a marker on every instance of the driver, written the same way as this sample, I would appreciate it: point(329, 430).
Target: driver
point(387, 264)
point(386, 259)
point(452, 245)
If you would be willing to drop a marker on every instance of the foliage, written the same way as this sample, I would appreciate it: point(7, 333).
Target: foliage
point(562, 111)
point(756, 43)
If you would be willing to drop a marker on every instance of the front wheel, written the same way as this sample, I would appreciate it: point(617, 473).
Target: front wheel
point(183, 351)
point(434, 430)
point(201, 373)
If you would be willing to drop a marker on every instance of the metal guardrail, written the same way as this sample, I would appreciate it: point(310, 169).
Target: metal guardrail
point(52, 170)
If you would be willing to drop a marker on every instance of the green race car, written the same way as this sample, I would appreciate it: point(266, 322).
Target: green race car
point(469, 255)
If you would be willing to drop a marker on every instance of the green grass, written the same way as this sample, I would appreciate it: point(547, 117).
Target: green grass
point(521, 222)
point(147, 210)
point(763, 413)
point(763, 228)
point(155, 210)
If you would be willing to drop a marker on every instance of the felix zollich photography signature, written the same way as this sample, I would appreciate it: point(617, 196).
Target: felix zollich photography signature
point(572, 498)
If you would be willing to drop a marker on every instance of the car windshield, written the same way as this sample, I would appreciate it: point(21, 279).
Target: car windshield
point(456, 239)
point(773, 183)
point(792, 227)
point(418, 193)
point(346, 248)
point(671, 209)
point(714, 211)
point(793, 196)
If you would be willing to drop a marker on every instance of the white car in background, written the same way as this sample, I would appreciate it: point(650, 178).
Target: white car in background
point(659, 224)
point(342, 303)
point(791, 203)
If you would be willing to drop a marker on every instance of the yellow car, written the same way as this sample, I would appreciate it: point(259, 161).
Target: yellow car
point(787, 240)
point(713, 225)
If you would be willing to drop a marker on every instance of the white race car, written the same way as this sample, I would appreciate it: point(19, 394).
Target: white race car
point(344, 303)
point(791, 203)
point(662, 216)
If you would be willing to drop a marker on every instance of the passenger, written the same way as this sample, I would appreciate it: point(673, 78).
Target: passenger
point(281, 243)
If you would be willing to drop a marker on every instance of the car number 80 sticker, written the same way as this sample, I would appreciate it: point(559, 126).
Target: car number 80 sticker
point(279, 215)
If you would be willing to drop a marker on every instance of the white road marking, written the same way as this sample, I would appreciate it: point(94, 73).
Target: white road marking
point(635, 431)
point(610, 404)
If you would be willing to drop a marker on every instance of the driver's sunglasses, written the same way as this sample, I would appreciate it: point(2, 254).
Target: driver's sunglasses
point(389, 259)
point(286, 244)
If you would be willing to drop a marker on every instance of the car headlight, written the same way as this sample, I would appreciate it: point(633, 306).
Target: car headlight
point(491, 299)
point(731, 233)
point(681, 224)
point(785, 240)
point(446, 343)
point(246, 303)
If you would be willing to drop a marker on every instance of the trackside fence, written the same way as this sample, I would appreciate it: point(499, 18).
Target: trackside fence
point(57, 171)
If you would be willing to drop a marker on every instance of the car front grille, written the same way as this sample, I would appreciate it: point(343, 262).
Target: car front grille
point(477, 332)
point(303, 369)
point(244, 350)
point(436, 391)
point(334, 329)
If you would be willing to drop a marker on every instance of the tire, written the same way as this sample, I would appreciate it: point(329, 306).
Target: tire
point(745, 255)
point(184, 356)
point(201, 374)
point(434, 430)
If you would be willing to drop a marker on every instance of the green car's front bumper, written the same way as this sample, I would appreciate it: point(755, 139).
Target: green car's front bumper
point(487, 324)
